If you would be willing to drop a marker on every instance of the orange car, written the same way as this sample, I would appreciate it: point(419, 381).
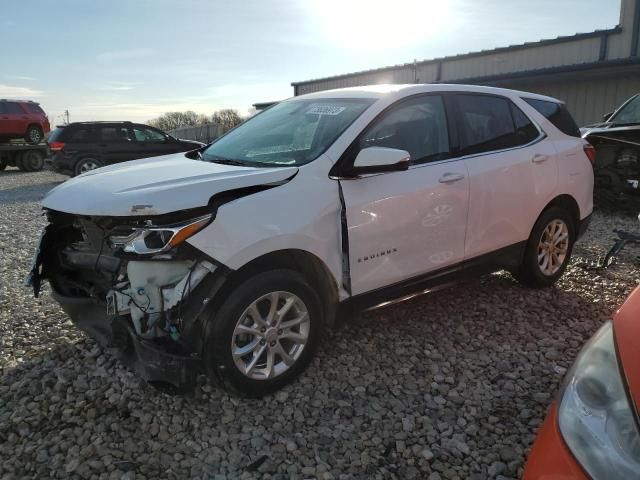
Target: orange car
point(592, 430)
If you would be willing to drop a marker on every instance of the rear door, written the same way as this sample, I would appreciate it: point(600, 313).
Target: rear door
point(151, 142)
point(407, 223)
point(115, 143)
point(14, 118)
point(512, 172)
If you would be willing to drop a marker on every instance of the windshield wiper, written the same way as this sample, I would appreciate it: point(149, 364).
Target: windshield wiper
point(226, 161)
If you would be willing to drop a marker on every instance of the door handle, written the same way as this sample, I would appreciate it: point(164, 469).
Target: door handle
point(451, 177)
point(539, 158)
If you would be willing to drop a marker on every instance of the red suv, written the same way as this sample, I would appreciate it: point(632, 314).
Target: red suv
point(23, 119)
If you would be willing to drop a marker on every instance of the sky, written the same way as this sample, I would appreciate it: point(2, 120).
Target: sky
point(136, 59)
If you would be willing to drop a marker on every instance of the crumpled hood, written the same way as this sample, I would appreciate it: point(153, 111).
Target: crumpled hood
point(155, 186)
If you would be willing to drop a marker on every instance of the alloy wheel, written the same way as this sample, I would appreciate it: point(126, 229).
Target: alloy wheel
point(270, 335)
point(553, 247)
point(88, 165)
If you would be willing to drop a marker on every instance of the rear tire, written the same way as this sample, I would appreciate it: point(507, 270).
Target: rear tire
point(32, 160)
point(86, 165)
point(255, 345)
point(548, 249)
point(18, 159)
point(34, 135)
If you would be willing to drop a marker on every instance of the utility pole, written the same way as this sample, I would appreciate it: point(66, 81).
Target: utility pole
point(66, 117)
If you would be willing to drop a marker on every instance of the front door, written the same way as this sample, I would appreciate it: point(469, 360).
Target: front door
point(407, 223)
point(151, 142)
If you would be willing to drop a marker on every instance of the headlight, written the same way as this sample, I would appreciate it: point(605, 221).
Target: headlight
point(149, 240)
point(595, 417)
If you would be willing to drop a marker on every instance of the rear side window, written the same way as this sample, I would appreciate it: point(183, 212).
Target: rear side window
point(33, 108)
point(488, 123)
point(526, 131)
point(80, 134)
point(418, 126)
point(557, 114)
point(114, 134)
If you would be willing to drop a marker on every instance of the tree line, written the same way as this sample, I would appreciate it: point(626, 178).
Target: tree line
point(227, 117)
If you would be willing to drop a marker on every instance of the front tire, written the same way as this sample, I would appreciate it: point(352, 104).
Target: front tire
point(264, 334)
point(548, 249)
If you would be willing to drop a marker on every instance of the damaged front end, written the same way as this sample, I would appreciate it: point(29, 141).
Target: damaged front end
point(134, 284)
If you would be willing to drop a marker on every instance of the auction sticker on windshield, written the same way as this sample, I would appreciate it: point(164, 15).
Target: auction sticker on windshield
point(319, 109)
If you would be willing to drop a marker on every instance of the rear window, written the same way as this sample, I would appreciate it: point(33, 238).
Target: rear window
point(55, 135)
point(557, 114)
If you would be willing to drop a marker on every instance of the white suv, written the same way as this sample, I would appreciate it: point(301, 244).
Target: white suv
point(234, 259)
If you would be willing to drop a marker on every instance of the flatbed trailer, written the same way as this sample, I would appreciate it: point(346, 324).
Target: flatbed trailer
point(27, 157)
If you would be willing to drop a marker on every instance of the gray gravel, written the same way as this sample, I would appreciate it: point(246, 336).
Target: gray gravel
point(451, 385)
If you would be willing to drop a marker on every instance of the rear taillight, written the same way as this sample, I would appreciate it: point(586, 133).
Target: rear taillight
point(591, 153)
point(56, 146)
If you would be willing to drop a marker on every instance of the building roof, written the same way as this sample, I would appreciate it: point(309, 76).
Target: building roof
point(552, 41)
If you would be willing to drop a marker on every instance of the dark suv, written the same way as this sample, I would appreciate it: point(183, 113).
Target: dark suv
point(79, 147)
point(23, 119)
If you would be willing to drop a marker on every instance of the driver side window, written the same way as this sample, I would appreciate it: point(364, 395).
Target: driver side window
point(148, 135)
point(418, 126)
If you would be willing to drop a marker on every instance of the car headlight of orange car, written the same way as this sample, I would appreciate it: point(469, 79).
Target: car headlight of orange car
point(596, 418)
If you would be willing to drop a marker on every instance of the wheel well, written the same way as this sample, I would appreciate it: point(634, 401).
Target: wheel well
point(568, 203)
point(310, 266)
point(35, 125)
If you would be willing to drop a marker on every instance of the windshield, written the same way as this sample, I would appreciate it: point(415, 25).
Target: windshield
point(294, 132)
point(630, 113)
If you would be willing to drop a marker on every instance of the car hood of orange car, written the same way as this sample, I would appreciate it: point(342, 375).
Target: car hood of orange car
point(626, 327)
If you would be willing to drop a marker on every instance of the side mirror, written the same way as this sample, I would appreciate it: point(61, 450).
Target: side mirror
point(381, 159)
point(606, 116)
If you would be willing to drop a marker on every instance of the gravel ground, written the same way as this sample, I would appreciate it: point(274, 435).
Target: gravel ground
point(449, 385)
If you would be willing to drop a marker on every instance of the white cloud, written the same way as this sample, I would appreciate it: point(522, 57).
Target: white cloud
point(10, 91)
point(116, 86)
point(21, 77)
point(123, 55)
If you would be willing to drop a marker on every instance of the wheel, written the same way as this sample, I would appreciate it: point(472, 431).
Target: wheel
point(86, 165)
point(3, 163)
point(548, 249)
point(18, 159)
point(32, 160)
point(264, 334)
point(34, 135)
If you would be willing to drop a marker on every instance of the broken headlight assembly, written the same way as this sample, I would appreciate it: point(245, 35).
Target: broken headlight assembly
point(596, 417)
point(151, 239)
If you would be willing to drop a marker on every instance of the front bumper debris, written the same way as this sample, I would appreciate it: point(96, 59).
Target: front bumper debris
point(152, 309)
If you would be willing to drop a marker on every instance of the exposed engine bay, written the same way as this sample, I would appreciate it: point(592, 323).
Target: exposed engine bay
point(617, 168)
point(126, 282)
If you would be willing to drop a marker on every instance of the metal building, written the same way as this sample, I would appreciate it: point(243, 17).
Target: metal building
point(592, 72)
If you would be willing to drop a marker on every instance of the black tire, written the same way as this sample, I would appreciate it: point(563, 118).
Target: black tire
point(32, 160)
point(86, 164)
point(219, 333)
point(34, 135)
point(531, 273)
point(3, 163)
point(18, 159)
